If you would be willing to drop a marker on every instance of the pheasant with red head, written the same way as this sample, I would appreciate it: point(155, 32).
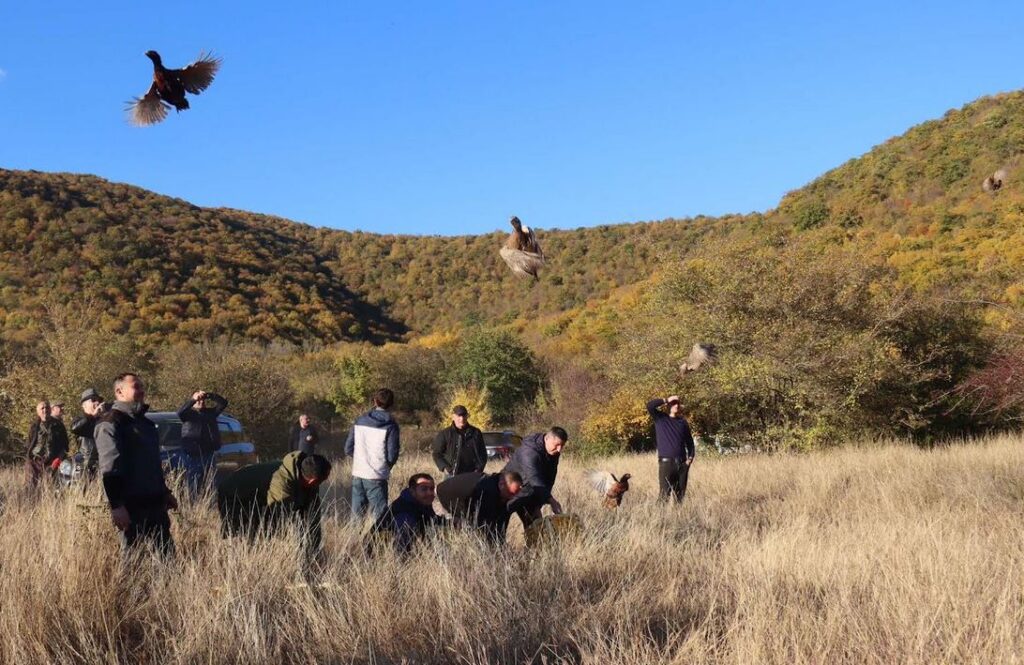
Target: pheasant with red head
point(169, 87)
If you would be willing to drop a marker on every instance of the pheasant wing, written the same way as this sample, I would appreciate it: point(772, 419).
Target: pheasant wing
point(148, 109)
point(522, 263)
point(199, 75)
point(601, 481)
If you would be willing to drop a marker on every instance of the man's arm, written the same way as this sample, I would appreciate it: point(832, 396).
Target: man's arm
point(109, 450)
point(33, 433)
point(219, 403)
point(391, 445)
point(530, 470)
point(437, 451)
point(185, 410)
point(83, 426)
point(691, 449)
point(405, 533)
point(654, 407)
point(58, 441)
point(481, 451)
point(350, 442)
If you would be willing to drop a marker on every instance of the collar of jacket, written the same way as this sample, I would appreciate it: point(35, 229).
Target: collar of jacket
point(132, 409)
point(408, 503)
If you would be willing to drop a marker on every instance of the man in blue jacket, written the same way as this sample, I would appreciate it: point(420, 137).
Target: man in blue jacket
point(536, 461)
point(410, 518)
point(373, 445)
point(675, 447)
point(200, 435)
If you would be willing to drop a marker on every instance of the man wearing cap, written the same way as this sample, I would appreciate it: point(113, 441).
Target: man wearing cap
point(84, 427)
point(675, 447)
point(57, 411)
point(459, 448)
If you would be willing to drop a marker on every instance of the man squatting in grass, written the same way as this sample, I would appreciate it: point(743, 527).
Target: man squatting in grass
point(409, 518)
point(675, 447)
point(264, 498)
point(536, 461)
point(373, 445)
point(133, 476)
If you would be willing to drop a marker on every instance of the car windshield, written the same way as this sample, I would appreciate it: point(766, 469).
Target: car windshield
point(170, 431)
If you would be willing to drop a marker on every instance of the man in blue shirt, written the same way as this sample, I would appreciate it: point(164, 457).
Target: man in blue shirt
point(675, 447)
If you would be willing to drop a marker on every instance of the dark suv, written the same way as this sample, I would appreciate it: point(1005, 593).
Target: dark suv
point(236, 449)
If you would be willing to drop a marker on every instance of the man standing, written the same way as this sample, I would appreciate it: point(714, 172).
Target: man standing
point(536, 461)
point(485, 501)
point(84, 427)
point(47, 444)
point(57, 411)
point(133, 478)
point(409, 517)
point(200, 434)
point(373, 445)
point(459, 448)
point(303, 436)
point(675, 447)
point(264, 497)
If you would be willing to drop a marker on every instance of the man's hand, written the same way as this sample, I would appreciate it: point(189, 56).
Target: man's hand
point(556, 507)
point(122, 520)
point(689, 461)
point(55, 464)
point(172, 503)
point(197, 395)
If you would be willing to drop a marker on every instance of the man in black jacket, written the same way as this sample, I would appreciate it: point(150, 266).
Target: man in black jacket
point(459, 448)
point(133, 477)
point(485, 501)
point(409, 517)
point(84, 427)
point(536, 460)
point(303, 436)
point(675, 447)
point(200, 435)
point(47, 444)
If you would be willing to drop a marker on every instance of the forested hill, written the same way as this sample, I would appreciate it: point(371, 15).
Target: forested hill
point(168, 270)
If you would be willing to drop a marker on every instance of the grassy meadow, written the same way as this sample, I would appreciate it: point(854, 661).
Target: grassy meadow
point(870, 554)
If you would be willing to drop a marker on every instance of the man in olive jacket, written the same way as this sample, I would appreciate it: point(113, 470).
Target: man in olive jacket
point(263, 497)
point(459, 448)
point(47, 444)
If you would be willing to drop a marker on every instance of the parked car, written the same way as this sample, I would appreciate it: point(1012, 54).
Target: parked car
point(501, 445)
point(236, 449)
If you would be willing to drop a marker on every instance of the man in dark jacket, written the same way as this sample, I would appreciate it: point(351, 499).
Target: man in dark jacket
point(265, 497)
point(675, 447)
point(84, 427)
point(373, 444)
point(459, 448)
point(200, 435)
point(133, 477)
point(303, 436)
point(536, 460)
point(485, 501)
point(409, 517)
point(47, 444)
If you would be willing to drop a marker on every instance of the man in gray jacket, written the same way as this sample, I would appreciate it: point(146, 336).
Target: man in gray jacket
point(84, 427)
point(133, 477)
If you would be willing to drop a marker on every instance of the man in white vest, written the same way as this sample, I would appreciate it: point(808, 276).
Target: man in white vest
point(373, 446)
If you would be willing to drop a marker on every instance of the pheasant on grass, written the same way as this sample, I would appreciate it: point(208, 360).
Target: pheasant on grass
point(169, 87)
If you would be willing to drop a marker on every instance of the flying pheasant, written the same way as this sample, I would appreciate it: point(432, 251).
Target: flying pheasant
point(522, 252)
point(613, 488)
point(700, 355)
point(169, 88)
point(994, 181)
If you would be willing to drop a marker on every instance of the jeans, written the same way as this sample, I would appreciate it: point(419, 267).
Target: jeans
point(672, 477)
point(199, 469)
point(372, 494)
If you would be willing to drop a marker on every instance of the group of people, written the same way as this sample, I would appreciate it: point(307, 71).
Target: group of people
point(121, 446)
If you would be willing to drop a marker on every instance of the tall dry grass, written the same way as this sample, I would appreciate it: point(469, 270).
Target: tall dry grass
point(878, 555)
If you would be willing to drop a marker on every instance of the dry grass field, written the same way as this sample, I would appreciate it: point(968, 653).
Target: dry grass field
point(880, 554)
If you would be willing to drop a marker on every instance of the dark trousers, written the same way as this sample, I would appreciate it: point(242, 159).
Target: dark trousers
point(672, 476)
point(151, 525)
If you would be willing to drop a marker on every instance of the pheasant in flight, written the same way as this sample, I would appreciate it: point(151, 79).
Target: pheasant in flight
point(169, 87)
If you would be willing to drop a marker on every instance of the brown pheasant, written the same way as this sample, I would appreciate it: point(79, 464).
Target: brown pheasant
point(522, 252)
point(613, 488)
point(169, 87)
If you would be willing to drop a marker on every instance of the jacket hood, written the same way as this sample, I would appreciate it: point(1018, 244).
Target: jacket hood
point(381, 416)
point(536, 441)
point(406, 503)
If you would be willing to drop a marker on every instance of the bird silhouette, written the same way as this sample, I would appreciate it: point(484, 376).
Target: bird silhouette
point(995, 181)
point(700, 355)
point(611, 487)
point(522, 252)
point(169, 87)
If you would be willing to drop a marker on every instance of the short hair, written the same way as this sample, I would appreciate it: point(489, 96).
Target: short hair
point(384, 398)
point(511, 477)
point(315, 466)
point(120, 379)
point(415, 479)
point(560, 433)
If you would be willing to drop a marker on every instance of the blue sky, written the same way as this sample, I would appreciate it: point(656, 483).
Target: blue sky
point(447, 117)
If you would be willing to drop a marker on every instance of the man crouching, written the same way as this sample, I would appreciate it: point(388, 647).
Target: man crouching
point(263, 498)
point(409, 517)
